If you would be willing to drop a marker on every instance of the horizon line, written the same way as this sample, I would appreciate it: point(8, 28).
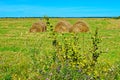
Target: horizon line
point(65, 17)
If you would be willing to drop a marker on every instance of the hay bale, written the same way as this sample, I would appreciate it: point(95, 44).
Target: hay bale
point(79, 26)
point(62, 26)
point(38, 27)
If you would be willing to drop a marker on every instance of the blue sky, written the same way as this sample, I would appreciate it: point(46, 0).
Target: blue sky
point(59, 8)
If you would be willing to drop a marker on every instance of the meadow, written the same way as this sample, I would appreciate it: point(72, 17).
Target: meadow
point(32, 56)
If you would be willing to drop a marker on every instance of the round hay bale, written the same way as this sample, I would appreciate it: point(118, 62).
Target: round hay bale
point(79, 26)
point(38, 27)
point(62, 26)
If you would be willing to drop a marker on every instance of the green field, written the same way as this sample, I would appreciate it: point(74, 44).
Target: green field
point(29, 56)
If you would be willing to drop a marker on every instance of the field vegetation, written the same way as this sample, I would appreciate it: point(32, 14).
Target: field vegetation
point(94, 55)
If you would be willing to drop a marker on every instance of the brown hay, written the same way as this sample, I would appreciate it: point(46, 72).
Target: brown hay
point(62, 26)
point(80, 26)
point(38, 27)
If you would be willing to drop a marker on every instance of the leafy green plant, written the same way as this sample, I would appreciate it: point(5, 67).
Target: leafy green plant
point(70, 57)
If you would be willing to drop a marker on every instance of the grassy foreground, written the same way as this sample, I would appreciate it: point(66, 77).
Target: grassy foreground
point(29, 56)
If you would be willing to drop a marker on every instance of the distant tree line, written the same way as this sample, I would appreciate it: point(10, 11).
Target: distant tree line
point(117, 17)
point(64, 17)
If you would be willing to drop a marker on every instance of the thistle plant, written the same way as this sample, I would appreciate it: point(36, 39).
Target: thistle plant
point(49, 25)
point(95, 46)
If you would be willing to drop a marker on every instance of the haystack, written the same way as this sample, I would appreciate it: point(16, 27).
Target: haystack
point(62, 26)
point(80, 26)
point(38, 27)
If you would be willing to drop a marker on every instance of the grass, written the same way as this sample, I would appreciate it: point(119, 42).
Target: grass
point(25, 55)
